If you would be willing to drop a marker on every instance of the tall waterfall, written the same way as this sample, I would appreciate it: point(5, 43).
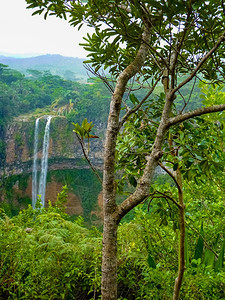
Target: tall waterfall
point(44, 164)
point(34, 170)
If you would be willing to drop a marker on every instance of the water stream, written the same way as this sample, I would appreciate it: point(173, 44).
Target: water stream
point(34, 170)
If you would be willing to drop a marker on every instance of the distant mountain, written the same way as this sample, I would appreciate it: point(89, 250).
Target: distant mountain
point(69, 68)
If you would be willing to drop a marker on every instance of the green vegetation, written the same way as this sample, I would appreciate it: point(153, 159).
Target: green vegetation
point(12, 195)
point(148, 243)
point(20, 95)
point(82, 182)
point(45, 256)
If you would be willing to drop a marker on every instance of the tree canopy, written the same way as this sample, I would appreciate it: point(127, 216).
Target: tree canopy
point(186, 29)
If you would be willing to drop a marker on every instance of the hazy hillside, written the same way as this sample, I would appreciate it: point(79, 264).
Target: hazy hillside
point(69, 68)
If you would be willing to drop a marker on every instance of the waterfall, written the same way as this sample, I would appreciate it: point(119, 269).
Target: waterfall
point(34, 170)
point(44, 164)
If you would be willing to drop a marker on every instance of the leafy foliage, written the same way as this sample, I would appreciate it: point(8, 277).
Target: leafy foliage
point(200, 154)
point(123, 27)
point(43, 255)
point(22, 95)
point(46, 257)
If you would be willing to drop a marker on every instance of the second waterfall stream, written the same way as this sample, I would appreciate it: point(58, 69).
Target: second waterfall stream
point(39, 186)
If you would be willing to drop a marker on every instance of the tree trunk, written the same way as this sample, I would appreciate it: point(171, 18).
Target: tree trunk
point(110, 209)
point(109, 259)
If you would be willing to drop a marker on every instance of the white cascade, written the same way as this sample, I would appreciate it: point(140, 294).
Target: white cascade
point(34, 170)
point(44, 162)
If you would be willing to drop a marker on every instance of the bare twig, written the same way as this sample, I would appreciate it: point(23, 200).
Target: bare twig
point(171, 174)
point(102, 76)
point(133, 110)
point(189, 98)
point(87, 158)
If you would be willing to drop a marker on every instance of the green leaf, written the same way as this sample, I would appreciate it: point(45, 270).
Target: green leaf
point(67, 274)
point(220, 261)
point(209, 258)
point(133, 99)
point(199, 157)
point(175, 166)
point(151, 261)
point(181, 135)
point(38, 12)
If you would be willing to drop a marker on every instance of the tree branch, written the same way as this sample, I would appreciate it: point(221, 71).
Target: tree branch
point(165, 196)
point(115, 106)
point(176, 52)
point(189, 98)
point(102, 76)
point(195, 113)
point(171, 175)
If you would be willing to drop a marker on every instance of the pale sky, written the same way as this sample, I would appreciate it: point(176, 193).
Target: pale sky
point(26, 35)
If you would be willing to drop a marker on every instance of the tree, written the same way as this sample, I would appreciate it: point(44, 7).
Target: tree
point(141, 42)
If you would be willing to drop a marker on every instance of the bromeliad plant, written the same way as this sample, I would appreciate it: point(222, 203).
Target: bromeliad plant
point(82, 132)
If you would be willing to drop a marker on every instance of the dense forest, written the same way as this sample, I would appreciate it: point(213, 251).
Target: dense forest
point(39, 89)
point(147, 238)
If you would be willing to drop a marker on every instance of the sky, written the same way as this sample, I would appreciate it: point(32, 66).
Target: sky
point(22, 34)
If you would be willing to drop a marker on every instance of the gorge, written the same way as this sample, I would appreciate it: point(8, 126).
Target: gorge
point(26, 141)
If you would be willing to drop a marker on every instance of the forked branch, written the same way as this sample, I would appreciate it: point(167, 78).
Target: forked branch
point(201, 62)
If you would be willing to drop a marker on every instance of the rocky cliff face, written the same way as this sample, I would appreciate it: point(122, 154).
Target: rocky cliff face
point(64, 149)
point(66, 165)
